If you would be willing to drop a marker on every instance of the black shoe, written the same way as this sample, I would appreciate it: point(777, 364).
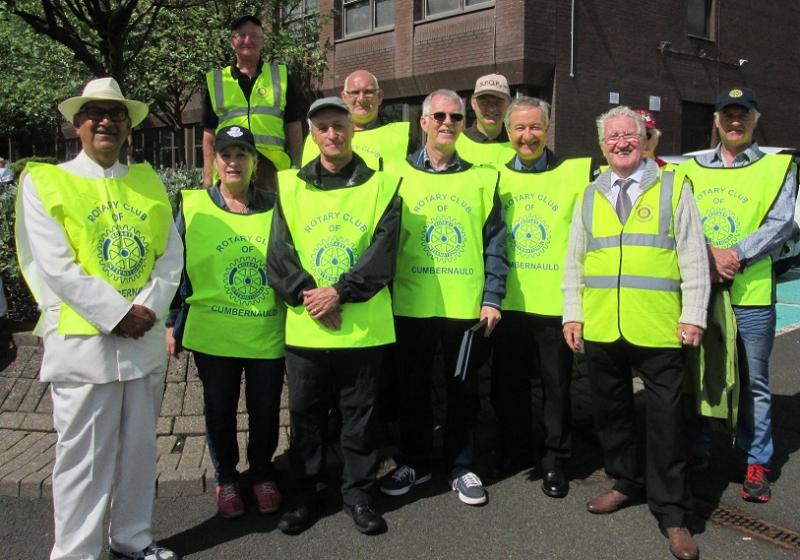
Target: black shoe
point(298, 519)
point(367, 520)
point(555, 483)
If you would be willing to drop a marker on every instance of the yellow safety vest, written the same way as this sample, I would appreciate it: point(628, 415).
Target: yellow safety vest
point(117, 228)
point(440, 259)
point(538, 207)
point(733, 202)
point(632, 278)
point(376, 145)
point(331, 230)
point(262, 114)
point(232, 310)
point(491, 153)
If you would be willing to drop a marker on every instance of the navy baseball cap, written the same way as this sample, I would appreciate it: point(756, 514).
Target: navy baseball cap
point(241, 20)
point(743, 96)
point(234, 136)
point(327, 103)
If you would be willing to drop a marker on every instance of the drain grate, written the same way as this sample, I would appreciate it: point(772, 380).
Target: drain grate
point(759, 529)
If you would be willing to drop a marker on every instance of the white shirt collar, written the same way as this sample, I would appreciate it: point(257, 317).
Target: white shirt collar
point(636, 175)
point(89, 168)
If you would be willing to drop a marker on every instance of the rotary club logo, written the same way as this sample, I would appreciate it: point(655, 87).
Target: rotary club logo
point(735, 93)
point(443, 238)
point(644, 213)
point(122, 252)
point(530, 236)
point(720, 227)
point(333, 257)
point(245, 281)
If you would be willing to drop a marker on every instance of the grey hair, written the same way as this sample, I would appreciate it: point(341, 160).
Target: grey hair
point(754, 112)
point(446, 93)
point(620, 111)
point(525, 102)
point(373, 76)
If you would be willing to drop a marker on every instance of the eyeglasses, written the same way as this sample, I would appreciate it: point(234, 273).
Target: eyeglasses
point(631, 137)
point(367, 93)
point(97, 114)
point(252, 36)
point(441, 116)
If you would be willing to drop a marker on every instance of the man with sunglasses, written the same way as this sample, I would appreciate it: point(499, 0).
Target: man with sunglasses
point(486, 140)
point(636, 288)
point(256, 96)
point(374, 140)
point(98, 248)
point(451, 271)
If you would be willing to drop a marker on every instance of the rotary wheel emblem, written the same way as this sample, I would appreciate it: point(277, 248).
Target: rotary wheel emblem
point(246, 281)
point(122, 252)
point(444, 238)
point(720, 228)
point(333, 258)
point(530, 236)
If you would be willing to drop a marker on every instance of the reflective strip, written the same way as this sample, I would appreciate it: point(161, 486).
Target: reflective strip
point(261, 110)
point(271, 140)
point(665, 202)
point(218, 91)
point(241, 112)
point(277, 92)
point(640, 239)
point(631, 281)
point(588, 210)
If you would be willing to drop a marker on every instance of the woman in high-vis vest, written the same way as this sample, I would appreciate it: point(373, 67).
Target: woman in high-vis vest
point(229, 317)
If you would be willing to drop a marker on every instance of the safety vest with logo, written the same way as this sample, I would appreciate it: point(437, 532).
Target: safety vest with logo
point(376, 145)
point(631, 273)
point(479, 153)
point(117, 228)
point(538, 207)
point(733, 202)
point(232, 310)
point(262, 114)
point(440, 259)
point(331, 230)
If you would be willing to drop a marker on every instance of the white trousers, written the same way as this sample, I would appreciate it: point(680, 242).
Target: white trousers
point(105, 457)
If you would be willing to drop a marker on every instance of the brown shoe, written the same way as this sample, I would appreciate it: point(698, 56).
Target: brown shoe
point(608, 502)
point(681, 544)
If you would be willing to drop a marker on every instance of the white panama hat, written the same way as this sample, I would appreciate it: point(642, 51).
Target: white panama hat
point(103, 89)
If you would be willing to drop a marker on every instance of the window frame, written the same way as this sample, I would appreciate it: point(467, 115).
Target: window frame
point(711, 10)
point(462, 9)
point(373, 30)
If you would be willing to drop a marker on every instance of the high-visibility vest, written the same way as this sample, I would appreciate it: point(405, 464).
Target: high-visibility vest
point(480, 153)
point(331, 230)
point(376, 146)
point(440, 259)
point(733, 202)
point(117, 228)
point(232, 310)
point(262, 114)
point(538, 207)
point(631, 273)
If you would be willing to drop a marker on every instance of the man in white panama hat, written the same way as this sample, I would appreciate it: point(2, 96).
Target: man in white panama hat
point(98, 248)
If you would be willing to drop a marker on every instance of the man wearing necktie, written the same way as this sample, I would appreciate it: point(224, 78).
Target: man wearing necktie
point(636, 289)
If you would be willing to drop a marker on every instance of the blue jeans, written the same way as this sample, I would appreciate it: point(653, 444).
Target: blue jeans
point(756, 335)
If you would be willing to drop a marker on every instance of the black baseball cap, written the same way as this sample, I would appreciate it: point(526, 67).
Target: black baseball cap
point(234, 136)
point(241, 20)
point(743, 96)
point(332, 102)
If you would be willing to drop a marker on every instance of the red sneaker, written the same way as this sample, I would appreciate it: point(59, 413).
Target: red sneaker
point(229, 501)
point(268, 497)
point(756, 484)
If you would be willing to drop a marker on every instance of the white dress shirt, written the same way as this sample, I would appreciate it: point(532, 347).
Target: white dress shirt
point(49, 265)
point(634, 191)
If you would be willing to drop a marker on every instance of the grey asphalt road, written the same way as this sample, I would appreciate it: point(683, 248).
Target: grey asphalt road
point(518, 522)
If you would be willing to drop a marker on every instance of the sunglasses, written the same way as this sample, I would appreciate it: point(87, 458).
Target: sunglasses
point(441, 116)
point(96, 114)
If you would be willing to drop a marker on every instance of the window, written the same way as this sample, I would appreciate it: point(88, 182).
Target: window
point(699, 17)
point(198, 146)
point(298, 14)
point(366, 16)
point(440, 7)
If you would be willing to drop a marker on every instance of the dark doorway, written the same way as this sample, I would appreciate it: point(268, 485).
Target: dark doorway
point(697, 124)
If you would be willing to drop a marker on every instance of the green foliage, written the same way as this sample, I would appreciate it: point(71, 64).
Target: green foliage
point(20, 164)
point(175, 180)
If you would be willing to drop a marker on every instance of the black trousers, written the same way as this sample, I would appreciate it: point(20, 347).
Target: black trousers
point(417, 341)
point(221, 377)
point(527, 346)
point(352, 375)
point(663, 477)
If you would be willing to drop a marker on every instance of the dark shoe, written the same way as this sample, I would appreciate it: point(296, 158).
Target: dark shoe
point(756, 485)
point(699, 465)
point(401, 480)
point(555, 483)
point(608, 502)
point(681, 543)
point(367, 520)
point(298, 519)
